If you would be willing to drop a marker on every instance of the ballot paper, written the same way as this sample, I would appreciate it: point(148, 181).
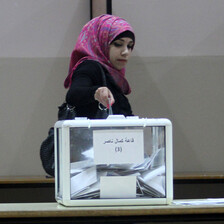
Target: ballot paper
point(79, 166)
point(148, 175)
point(98, 181)
point(208, 201)
point(90, 192)
point(118, 187)
point(83, 180)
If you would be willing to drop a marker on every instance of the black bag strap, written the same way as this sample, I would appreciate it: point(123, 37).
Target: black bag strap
point(104, 81)
point(102, 72)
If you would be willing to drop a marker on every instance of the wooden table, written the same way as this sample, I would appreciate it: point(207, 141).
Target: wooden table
point(55, 213)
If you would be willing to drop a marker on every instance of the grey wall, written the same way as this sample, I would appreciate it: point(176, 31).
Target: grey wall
point(176, 72)
point(36, 40)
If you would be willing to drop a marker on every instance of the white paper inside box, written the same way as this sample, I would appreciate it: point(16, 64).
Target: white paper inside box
point(114, 161)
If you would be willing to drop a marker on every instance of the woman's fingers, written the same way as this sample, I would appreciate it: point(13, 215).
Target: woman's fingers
point(104, 96)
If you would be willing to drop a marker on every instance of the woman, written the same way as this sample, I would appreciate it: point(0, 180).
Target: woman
point(108, 40)
point(104, 42)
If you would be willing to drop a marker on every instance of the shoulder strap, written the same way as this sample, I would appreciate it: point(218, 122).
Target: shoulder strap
point(103, 74)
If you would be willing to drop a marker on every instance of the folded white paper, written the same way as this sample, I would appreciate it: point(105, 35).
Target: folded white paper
point(83, 180)
point(118, 187)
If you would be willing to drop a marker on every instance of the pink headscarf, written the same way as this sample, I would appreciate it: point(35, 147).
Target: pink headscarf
point(93, 44)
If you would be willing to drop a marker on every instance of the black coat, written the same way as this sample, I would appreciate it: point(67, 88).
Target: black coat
point(87, 78)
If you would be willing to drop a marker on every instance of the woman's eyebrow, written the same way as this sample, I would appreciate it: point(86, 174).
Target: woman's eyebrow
point(124, 41)
point(121, 39)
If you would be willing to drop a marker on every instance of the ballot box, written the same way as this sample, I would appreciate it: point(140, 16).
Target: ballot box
point(114, 161)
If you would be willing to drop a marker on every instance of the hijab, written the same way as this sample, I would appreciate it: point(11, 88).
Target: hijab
point(93, 44)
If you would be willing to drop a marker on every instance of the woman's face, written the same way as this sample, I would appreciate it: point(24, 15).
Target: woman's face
point(120, 51)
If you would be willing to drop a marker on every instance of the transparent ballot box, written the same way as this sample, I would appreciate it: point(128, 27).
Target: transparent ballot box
point(113, 161)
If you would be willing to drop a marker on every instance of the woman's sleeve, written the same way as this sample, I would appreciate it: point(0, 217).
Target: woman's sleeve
point(85, 81)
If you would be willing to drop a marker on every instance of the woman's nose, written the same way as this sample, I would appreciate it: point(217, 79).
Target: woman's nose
point(125, 51)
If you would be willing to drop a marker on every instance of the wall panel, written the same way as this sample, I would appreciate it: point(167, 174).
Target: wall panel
point(177, 72)
point(36, 40)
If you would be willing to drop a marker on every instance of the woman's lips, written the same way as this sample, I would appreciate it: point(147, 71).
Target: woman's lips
point(122, 60)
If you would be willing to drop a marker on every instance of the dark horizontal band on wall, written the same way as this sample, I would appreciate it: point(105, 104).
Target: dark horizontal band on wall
point(24, 189)
point(188, 176)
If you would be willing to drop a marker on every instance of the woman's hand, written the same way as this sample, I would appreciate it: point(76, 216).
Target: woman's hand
point(104, 96)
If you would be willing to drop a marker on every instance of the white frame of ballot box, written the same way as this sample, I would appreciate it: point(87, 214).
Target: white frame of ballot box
point(62, 173)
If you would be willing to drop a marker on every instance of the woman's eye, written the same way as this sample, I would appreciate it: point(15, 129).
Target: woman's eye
point(129, 46)
point(117, 44)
